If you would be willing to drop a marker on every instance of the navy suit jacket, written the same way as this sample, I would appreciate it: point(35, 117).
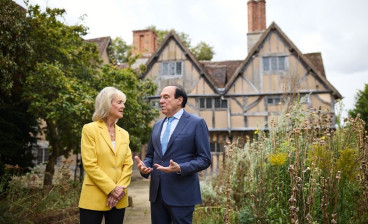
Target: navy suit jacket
point(189, 147)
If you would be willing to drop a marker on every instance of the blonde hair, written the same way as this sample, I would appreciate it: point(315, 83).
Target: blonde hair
point(103, 102)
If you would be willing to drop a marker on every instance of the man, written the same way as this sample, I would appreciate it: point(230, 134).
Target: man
point(174, 157)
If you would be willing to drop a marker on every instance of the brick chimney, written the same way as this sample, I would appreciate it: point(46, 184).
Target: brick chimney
point(256, 21)
point(144, 42)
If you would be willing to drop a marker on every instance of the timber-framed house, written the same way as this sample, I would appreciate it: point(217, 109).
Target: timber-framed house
point(237, 97)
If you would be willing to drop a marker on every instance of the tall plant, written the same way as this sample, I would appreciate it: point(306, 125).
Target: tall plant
point(301, 171)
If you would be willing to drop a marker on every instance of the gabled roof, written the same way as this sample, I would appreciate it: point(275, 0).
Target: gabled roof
point(172, 36)
point(102, 43)
point(317, 69)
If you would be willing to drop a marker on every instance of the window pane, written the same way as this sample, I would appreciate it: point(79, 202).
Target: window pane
point(282, 63)
point(274, 64)
point(224, 103)
point(270, 100)
point(201, 102)
point(212, 146)
point(266, 63)
point(178, 68)
point(171, 68)
point(208, 102)
point(277, 100)
point(165, 68)
point(217, 103)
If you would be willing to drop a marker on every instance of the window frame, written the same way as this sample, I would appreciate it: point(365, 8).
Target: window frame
point(276, 100)
point(214, 103)
point(274, 63)
point(172, 68)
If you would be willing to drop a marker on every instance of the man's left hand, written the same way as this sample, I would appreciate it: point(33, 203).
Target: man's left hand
point(172, 168)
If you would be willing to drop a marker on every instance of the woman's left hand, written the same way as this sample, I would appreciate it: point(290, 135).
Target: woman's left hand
point(111, 201)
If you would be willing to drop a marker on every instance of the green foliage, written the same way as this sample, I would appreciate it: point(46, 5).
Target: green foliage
point(201, 51)
point(17, 126)
point(361, 106)
point(138, 112)
point(15, 48)
point(119, 51)
point(161, 34)
point(299, 171)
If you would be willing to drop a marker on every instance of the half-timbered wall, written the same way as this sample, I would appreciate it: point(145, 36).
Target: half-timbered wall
point(256, 96)
point(261, 89)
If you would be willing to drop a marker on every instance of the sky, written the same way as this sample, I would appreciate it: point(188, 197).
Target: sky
point(336, 28)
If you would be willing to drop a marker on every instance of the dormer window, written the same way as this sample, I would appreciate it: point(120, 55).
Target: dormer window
point(274, 63)
point(172, 68)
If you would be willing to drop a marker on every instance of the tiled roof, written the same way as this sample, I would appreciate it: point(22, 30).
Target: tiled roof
point(102, 43)
point(221, 71)
point(316, 59)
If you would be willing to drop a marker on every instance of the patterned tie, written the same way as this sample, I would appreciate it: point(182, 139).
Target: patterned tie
point(165, 137)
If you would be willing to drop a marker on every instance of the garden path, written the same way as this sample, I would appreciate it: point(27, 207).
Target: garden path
point(140, 213)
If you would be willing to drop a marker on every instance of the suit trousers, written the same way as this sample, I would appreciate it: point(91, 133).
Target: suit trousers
point(113, 216)
point(162, 213)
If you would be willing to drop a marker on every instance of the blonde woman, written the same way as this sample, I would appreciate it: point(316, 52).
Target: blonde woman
point(107, 161)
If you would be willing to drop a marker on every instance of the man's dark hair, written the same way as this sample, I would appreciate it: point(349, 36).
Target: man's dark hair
point(180, 92)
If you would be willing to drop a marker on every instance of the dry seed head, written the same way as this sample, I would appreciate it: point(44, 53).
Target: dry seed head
point(338, 175)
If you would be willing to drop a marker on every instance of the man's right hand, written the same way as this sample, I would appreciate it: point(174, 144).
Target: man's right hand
point(142, 167)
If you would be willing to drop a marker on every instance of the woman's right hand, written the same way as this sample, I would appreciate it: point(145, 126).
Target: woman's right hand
point(118, 192)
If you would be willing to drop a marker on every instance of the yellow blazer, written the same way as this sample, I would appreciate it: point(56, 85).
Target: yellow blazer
point(104, 167)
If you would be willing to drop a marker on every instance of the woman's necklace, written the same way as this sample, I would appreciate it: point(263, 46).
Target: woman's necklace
point(112, 133)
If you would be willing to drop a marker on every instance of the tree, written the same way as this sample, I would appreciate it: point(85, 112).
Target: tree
point(70, 73)
point(58, 85)
point(361, 106)
point(14, 46)
point(161, 34)
point(119, 51)
point(201, 51)
point(138, 113)
point(18, 128)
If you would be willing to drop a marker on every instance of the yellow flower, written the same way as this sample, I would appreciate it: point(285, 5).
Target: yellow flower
point(256, 131)
point(278, 158)
point(323, 138)
point(346, 163)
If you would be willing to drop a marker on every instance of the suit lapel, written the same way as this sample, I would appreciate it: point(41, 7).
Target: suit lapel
point(105, 134)
point(156, 135)
point(181, 125)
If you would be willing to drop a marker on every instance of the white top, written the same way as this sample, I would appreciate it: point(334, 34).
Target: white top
point(113, 145)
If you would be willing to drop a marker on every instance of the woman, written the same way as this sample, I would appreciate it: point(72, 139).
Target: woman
point(107, 161)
